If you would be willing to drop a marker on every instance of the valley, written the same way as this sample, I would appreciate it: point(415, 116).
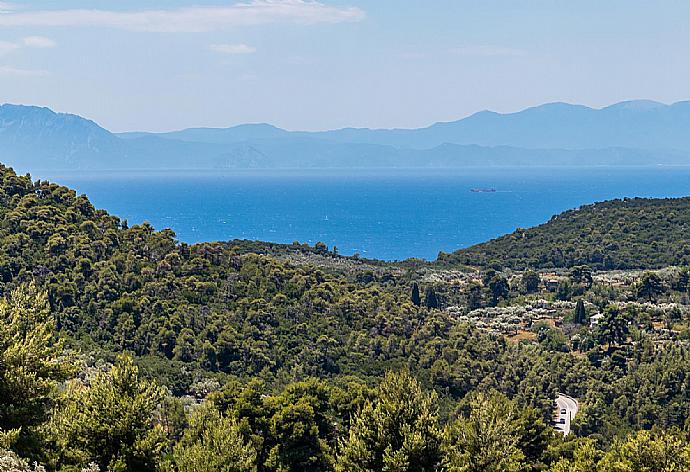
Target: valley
point(277, 337)
point(344, 236)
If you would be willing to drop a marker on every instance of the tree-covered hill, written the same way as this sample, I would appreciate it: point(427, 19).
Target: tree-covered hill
point(633, 233)
point(233, 310)
point(123, 349)
point(216, 306)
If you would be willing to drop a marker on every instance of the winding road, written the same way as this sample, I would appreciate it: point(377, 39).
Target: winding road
point(566, 409)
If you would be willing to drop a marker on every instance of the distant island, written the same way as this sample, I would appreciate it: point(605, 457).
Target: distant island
point(634, 133)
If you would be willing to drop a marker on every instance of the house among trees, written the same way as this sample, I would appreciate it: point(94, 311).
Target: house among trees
point(594, 319)
point(552, 284)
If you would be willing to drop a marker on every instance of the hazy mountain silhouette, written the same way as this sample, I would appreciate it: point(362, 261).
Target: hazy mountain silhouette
point(634, 124)
point(627, 133)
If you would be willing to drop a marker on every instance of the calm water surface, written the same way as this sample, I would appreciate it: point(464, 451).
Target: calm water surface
point(391, 215)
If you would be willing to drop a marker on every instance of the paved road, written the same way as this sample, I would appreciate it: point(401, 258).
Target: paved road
point(569, 404)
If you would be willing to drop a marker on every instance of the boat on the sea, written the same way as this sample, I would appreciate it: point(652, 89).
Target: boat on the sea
point(483, 190)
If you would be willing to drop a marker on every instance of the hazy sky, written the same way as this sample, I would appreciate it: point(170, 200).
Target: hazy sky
point(161, 65)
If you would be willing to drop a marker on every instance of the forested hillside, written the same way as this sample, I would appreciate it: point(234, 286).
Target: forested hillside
point(634, 233)
point(122, 349)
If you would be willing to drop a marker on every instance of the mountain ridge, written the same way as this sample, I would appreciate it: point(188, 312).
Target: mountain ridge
point(550, 125)
point(639, 132)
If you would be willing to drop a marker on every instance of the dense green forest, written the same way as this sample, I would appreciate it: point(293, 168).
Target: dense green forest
point(122, 349)
point(619, 234)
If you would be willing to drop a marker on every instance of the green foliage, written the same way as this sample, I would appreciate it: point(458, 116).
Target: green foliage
point(300, 421)
point(213, 442)
point(286, 347)
point(494, 433)
point(648, 451)
point(487, 439)
point(682, 282)
point(397, 431)
point(499, 288)
point(295, 429)
point(650, 286)
point(431, 299)
point(582, 275)
point(31, 365)
point(474, 296)
point(530, 281)
point(110, 422)
point(580, 316)
point(644, 451)
point(633, 233)
point(415, 297)
point(613, 328)
point(551, 338)
point(585, 458)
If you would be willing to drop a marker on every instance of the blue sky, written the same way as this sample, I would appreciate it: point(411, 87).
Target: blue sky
point(162, 65)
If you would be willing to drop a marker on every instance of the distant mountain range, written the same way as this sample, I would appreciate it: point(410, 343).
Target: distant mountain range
point(556, 134)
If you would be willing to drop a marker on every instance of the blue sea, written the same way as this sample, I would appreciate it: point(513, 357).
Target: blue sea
point(388, 215)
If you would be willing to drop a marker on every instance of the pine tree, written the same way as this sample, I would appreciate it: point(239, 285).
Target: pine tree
point(612, 328)
point(31, 365)
point(498, 285)
point(648, 451)
point(397, 431)
point(530, 281)
point(586, 456)
point(110, 422)
point(488, 439)
point(300, 421)
point(474, 296)
point(214, 443)
point(683, 280)
point(650, 286)
point(582, 275)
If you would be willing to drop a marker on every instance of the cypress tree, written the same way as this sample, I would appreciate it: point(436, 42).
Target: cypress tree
point(430, 299)
point(415, 297)
point(580, 312)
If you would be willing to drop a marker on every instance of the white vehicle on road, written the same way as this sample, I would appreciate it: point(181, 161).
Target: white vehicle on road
point(567, 408)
